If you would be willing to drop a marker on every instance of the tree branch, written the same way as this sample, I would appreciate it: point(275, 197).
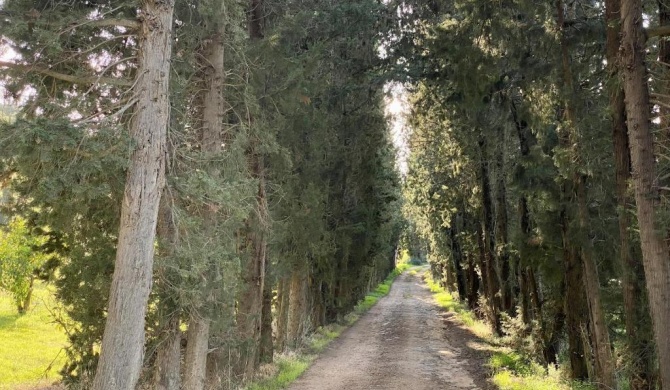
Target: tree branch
point(659, 31)
point(67, 77)
point(127, 23)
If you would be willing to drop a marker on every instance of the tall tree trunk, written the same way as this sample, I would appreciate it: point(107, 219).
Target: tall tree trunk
point(250, 304)
point(655, 251)
point(604, 361)
point(122, 347)
point(641, 362)
point(489, 239)
point(501, 234)
point(167, 374)
point(212, 106)
point(574, 305)
point(603, 351)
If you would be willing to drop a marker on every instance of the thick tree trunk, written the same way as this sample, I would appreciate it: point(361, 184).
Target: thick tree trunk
point(197, 347)
point(297, 308)
point(641, 362)
point(122, 349)
point(655, 251)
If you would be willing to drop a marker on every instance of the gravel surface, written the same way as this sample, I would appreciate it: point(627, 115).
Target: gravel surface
point(404, 342)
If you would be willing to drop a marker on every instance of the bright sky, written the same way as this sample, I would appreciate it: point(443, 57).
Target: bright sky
point(397, 109)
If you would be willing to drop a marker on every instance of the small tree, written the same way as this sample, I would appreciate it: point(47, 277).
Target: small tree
point(19, 259)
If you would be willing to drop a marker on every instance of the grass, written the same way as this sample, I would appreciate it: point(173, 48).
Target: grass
point(30, 345)
point(289, 367)
point(510, 369)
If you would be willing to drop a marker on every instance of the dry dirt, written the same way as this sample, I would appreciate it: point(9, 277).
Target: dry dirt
point(405, 342)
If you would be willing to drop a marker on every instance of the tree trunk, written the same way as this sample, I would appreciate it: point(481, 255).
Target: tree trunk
point(282, 313)
point(604, 361)
point(641, 361)
point(250, 304)
point(122, 349)
point(168, 360)
point(265, 349)
point(197, 347)
point(488, 270)
point(24, 304)
point(574, 305)
point(655, 251)
point(212, 111)
point(501, 234)
point(297, 308)
point(457, 256)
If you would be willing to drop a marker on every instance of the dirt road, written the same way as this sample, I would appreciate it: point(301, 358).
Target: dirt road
point(404, 342)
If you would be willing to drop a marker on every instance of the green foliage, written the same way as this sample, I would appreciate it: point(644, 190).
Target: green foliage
point(290, 368)
point(20, 260)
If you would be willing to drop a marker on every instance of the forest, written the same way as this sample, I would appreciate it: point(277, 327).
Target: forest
point(206, 183)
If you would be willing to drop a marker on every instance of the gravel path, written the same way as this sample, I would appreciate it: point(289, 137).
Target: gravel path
point(404, 342)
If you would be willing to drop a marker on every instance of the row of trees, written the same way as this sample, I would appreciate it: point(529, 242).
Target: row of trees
point(217, 176)
point(537, 177)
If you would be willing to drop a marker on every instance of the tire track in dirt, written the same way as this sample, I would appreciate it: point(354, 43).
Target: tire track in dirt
point(404, 342)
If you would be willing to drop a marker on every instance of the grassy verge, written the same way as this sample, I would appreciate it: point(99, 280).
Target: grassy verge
point(510, 370)
point(288, 367)
point(30, 345)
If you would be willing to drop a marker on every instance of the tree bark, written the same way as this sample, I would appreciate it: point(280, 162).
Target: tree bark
point(282, 313)
point(297, 308)
point(604, 361)
point(266, 349)
point(168, 360)
point(212, 111)
point(122, 347)
point(501, 233)
point(574, 305)
point(641, 362)
point(197, 347)
point(489, 240)
point(655, 251)
point(250, 304)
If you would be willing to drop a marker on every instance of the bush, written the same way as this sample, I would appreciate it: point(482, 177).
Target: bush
point(19, 261)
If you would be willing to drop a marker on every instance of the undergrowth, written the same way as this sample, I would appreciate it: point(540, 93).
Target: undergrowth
point(510, 369)
point(288, 367)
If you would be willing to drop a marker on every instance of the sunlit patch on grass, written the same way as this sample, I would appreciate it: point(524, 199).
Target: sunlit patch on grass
point(31, 345)
point(510, 369)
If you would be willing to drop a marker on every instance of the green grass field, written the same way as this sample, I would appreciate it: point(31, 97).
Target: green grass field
point(30, 344)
